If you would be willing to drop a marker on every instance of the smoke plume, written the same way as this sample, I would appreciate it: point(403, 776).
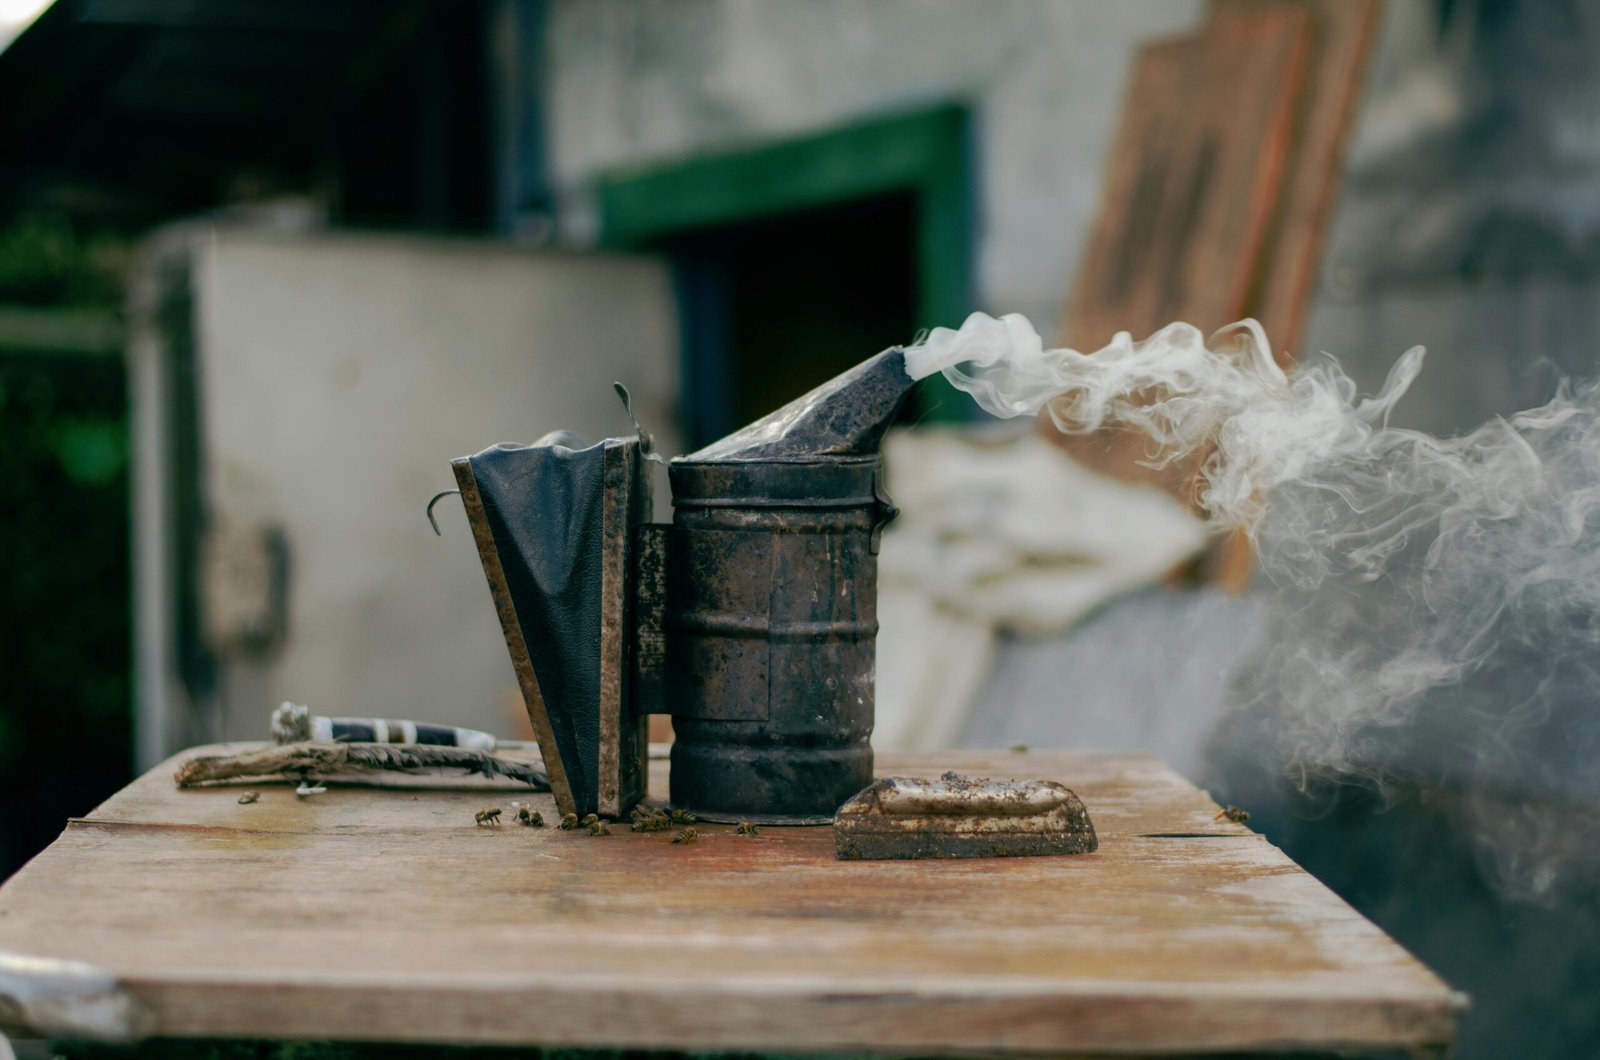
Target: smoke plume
point(1433, 601)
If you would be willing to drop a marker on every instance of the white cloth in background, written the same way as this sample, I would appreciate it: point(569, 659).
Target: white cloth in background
point(1151, 671)
point(998, 534)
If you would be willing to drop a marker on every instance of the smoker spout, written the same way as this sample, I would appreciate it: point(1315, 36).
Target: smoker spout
point(846, 416)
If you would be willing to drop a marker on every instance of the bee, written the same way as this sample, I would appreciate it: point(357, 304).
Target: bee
point(599, 827)
point(487, 815)
point(1234, 814)
point(248, 797)
point(746, 828)
point(687, 835)
point(682, 816)
point(651, 823)
point(1019, 748)
point(530, 818)
point(589, 819)
point(569, 821)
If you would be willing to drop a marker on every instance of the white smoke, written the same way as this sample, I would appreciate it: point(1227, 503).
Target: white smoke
point(1180, 390)
point(1435, 602)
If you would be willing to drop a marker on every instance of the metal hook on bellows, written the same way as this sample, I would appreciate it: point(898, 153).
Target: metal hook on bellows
point(647, 443)
point(431, 520)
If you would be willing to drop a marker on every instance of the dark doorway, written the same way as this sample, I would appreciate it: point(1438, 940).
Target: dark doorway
point(795, 260)
point(773, 306)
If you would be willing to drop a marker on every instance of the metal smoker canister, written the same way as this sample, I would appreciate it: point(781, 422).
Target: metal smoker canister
point(771, 619)
point(750, 618)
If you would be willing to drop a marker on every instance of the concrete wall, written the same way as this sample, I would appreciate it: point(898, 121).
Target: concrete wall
point(1470, 219)
point(633, 82)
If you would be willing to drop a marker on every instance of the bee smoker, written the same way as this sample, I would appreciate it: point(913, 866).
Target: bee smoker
point(750, 619)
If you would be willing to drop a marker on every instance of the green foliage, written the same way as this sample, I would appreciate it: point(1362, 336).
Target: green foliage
point(62, 447)
point(91, 451)
point(65, 604)
point(65, 627)
point(45, 262)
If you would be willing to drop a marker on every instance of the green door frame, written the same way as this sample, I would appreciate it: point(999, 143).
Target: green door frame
point(925, 152)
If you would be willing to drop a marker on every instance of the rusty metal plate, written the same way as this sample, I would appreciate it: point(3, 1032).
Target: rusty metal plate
point(898, 818)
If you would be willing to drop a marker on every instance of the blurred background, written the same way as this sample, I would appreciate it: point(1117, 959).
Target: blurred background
point(267, 265)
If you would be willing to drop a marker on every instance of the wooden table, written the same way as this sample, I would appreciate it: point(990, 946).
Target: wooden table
point(386, 915)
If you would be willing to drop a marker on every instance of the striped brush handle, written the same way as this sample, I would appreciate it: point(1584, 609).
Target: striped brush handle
point(294, 723)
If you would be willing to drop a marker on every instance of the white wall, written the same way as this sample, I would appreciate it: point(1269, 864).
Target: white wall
point(338, 375)
point(642, 81)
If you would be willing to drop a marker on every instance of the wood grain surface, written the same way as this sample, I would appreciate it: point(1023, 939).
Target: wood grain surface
point(1194, 177)
point(385, 914)
point(1217, 195)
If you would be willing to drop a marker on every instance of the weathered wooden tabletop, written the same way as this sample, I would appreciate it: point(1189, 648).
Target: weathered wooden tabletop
point(387, 915)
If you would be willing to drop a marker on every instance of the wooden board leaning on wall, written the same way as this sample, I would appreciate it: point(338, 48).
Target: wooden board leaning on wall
point(1218, 191)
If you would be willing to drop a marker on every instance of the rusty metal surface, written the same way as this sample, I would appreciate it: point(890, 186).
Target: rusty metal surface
point(624, 737)
point(770, 603)
point(771, 625)
point(901, 818)
point(650, 612)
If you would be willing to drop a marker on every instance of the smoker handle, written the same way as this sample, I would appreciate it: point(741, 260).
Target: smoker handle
point(886, 509)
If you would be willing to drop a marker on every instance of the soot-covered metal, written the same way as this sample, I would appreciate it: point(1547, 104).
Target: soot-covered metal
point(751, 619)
point(900, 818)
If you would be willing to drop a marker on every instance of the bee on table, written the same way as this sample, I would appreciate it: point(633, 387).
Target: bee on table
point(569, 821)
point(599, 827)
point(651, 822)
point(746, 828)
point(248, 797)
point(687, 835)
point(488, 815)
point(1234, 814)
point(682, 816)
point(530, 818)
